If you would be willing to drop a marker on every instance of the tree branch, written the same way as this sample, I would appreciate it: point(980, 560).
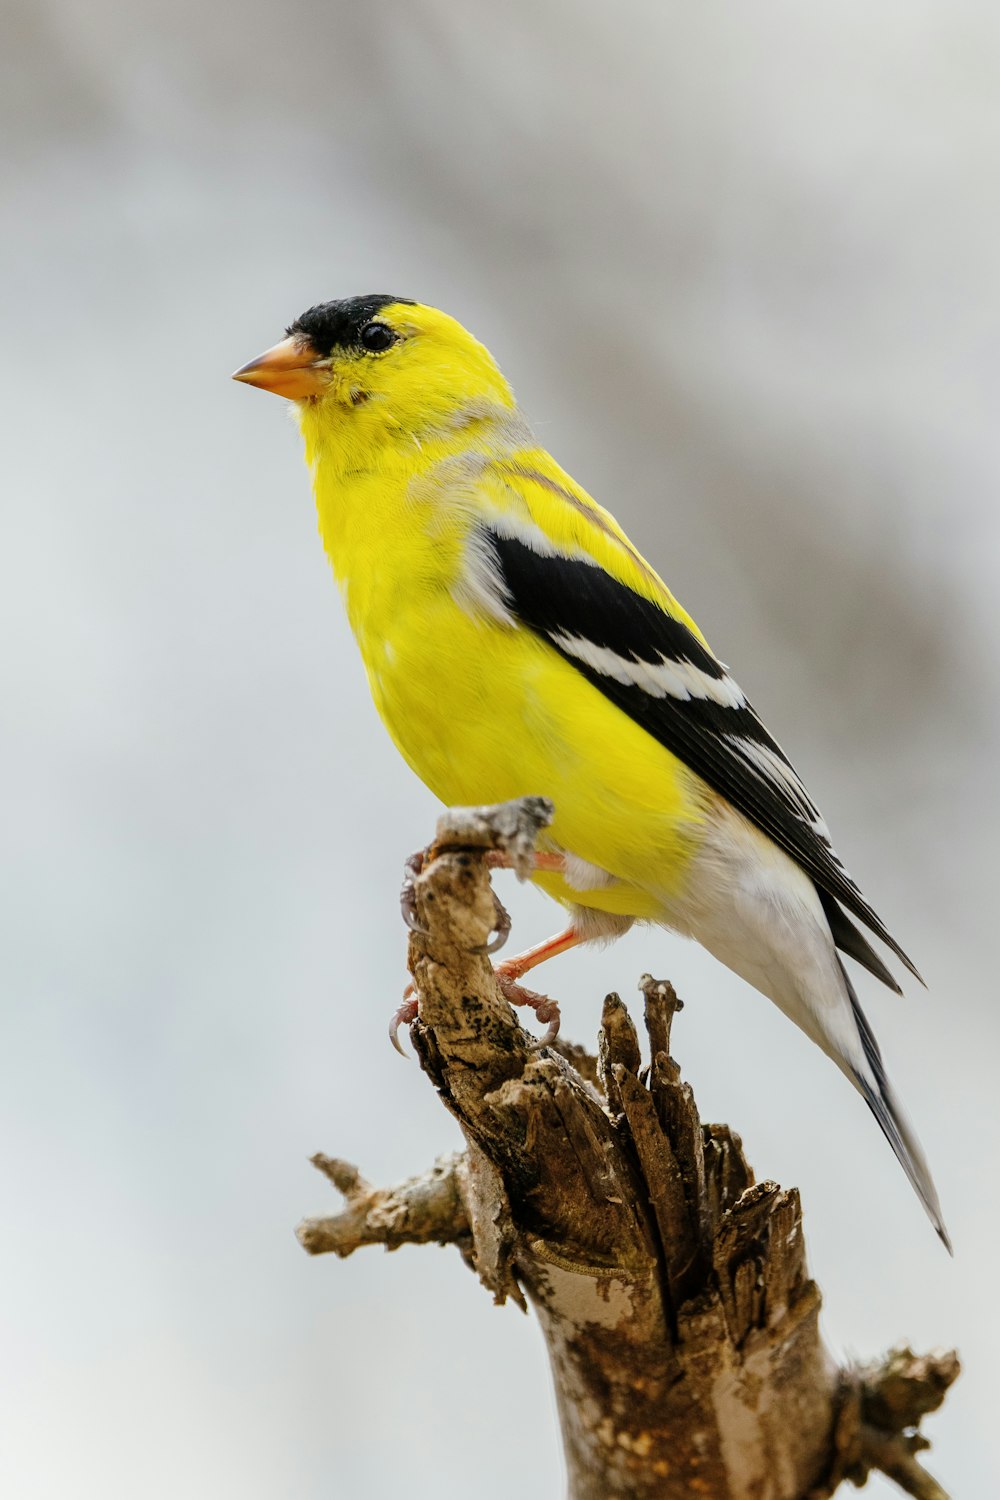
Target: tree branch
point(671, 1288)
point(423, 1210)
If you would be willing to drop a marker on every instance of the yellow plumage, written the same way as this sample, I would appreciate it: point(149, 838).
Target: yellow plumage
point(517, 643)
point(480, 712)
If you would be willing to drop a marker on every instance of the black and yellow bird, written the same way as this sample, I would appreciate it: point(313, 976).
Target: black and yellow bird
point(516, 642)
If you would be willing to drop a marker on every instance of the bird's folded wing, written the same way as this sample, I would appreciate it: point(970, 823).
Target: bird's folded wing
point(653, 667)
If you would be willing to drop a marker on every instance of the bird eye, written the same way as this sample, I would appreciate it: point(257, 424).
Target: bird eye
point(377, 336)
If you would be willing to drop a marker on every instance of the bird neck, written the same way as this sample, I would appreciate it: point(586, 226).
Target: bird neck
point(385, 499)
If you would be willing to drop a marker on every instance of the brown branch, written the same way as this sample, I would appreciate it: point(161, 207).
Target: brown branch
point(883, 1405)
point(672, 1289)
point(423, 1210)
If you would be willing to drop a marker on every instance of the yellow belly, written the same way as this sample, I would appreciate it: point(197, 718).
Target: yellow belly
point(483, 713)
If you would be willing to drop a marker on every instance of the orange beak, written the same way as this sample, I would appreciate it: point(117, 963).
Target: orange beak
point(292, 369)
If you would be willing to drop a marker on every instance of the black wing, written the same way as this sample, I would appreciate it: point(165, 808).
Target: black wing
point(657, 671)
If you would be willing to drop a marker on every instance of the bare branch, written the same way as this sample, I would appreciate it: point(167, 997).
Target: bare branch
point(672, 1289)
point(884, 1402)
point(423, 1210)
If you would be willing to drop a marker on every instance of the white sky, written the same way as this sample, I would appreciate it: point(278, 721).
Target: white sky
point(743, 271)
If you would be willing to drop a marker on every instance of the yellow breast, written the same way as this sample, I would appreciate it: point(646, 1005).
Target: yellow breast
point(483, 711)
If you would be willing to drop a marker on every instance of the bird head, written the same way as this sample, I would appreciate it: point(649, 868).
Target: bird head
point(376, 369)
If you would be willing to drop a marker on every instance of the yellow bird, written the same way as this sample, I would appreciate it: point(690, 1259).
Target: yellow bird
point(517, 643)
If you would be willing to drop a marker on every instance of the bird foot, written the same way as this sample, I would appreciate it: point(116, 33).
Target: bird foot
point(408, 907)
point(546, 1009)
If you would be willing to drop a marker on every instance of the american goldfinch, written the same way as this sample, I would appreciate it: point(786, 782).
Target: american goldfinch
point(516, 643)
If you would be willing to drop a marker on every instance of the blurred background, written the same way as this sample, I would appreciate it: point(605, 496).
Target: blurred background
point(743, 268)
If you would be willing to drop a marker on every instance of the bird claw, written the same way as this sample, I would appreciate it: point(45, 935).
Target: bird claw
point(546, 1009)
point(404, 1015)
point(408, 895)
point(501, 929)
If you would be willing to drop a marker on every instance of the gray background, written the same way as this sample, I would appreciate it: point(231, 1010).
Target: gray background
point(742, 266)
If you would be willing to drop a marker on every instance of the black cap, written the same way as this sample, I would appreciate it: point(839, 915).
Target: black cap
point(338, 325)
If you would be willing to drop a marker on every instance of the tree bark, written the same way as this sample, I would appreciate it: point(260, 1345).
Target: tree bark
point(671, 1288)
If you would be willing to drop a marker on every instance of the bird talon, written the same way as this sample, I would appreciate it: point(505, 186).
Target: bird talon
point(408, 895)
point(549, 1034)
point(404, 1015)
point(501, 930)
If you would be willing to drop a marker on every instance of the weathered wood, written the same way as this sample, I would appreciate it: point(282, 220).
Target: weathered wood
point(672, 1290)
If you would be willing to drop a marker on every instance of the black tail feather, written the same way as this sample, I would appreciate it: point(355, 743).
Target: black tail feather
point(850, 940)
point(881, 1100)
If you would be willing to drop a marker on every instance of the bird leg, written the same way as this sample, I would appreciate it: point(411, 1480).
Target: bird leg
point(510, 970)
point(499, 859)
